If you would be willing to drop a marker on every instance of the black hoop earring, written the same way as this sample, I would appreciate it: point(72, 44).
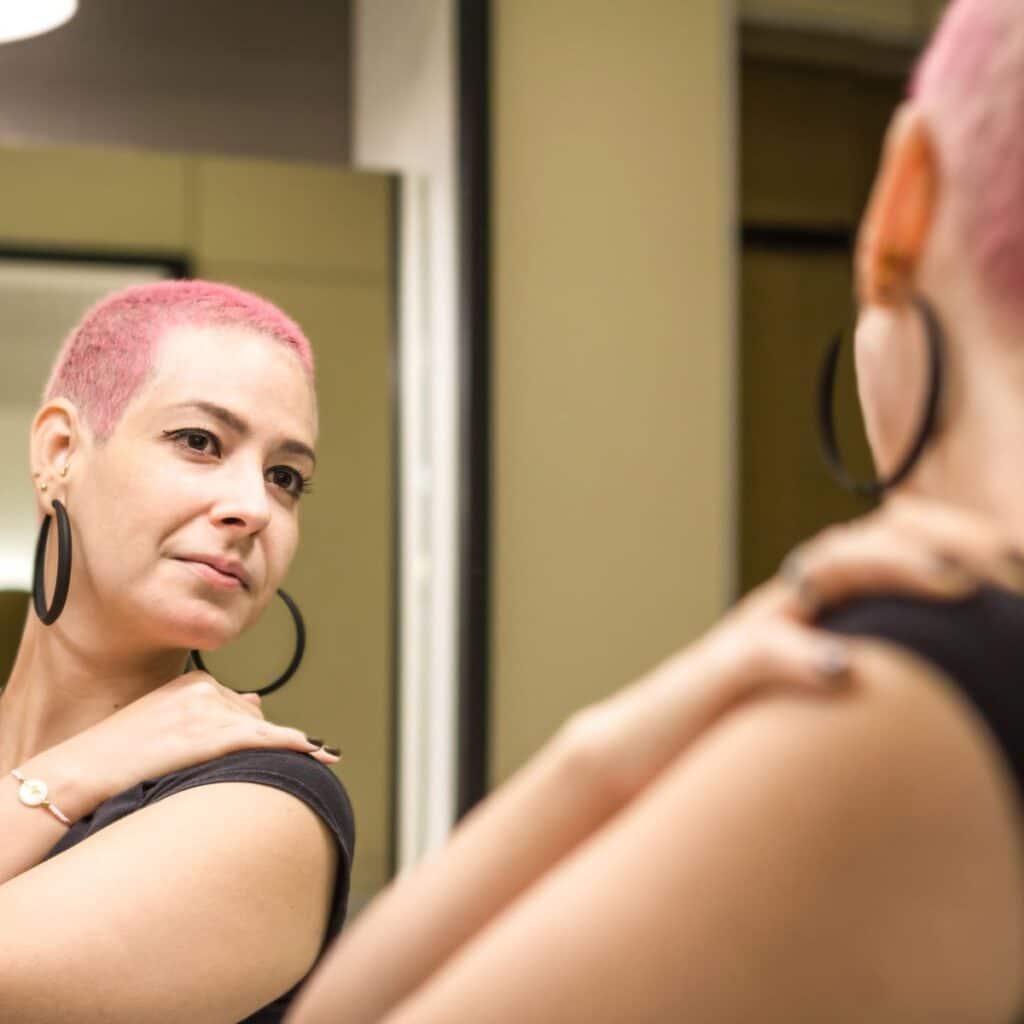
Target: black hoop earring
point(60, 587)
point(826, 424)
point(300, 647)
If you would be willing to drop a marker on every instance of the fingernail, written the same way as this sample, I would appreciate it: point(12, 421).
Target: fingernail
point(317, 743)
point(834, 662)
point(333, 750)
point(1015, 557)
point(953, 569)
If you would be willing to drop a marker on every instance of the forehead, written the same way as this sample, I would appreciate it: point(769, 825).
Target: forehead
point(256, 376)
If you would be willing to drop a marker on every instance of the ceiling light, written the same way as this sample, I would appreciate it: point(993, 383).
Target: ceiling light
point(20, 19)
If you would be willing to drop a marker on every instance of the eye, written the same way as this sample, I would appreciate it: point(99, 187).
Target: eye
point(194, 439)
point(290, 480)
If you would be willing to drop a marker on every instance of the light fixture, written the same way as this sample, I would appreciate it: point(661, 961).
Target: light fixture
point(20, 19)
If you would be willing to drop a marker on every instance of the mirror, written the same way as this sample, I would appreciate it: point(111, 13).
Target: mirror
point(175, 141)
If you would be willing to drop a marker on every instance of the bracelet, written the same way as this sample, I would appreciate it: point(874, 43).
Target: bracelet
point(35, 793)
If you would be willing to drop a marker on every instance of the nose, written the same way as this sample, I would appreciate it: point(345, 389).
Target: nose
point(243, 502)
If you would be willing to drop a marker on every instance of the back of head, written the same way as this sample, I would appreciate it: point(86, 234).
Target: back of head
point(112, 351)
point(970, 81)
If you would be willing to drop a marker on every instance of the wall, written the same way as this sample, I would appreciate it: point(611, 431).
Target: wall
point(614, 288)
point(319, 242)
point(260, 78)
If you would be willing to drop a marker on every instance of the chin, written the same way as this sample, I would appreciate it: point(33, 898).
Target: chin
point(196, 624)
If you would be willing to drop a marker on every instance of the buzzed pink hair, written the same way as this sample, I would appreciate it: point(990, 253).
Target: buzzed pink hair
point(971, 82)
point(113, 348)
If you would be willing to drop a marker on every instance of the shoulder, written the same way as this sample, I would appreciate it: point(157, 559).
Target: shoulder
point(902, 836)
point(976, 647)
point(289, 770)
point(982, 628)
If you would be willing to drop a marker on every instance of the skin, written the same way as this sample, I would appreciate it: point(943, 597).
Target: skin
point(790, 860)
point(138, 499)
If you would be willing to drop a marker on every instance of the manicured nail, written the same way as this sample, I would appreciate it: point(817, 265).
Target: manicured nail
point(333, 750)
point(834, 662)
point(953, 569)
point(1015, 557)
point(316, 743)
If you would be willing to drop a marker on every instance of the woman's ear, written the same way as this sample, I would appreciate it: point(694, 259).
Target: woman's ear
point(900, 212)
point(55, 437)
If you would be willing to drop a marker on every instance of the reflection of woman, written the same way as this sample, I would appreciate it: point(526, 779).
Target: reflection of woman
point(172, 447)
point(856, 859)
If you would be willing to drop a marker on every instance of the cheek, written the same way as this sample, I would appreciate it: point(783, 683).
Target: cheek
point(282, 541)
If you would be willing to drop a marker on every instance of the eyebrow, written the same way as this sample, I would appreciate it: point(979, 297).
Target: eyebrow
point(237, 424)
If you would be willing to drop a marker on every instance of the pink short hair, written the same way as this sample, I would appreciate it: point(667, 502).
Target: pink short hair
point(971, 81)
point(113, 349)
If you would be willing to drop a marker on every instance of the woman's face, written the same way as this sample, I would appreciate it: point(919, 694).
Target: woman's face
point(207, 463)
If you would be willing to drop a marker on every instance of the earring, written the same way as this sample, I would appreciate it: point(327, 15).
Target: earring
point(826, 424)
point(300, 647)
point(60, 589)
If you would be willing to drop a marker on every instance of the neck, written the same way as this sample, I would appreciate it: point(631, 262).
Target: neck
point(975, 462)
point(59, 688)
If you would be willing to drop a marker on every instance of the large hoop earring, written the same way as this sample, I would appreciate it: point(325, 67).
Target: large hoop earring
point(60, 588)
point(300, 647)
point(826, 424)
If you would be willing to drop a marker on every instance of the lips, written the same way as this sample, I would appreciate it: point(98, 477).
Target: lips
point(227, 566)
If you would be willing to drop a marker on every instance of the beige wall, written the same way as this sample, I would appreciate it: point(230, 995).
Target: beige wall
point(318, 241)
point(613, 362)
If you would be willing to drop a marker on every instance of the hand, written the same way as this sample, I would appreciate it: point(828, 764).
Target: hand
point(766, 641)
point(909, 545)
point(188, 720)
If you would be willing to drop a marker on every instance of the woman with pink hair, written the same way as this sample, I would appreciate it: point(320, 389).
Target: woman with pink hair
point(168, 853)
point(850, 860)
point(776, 824)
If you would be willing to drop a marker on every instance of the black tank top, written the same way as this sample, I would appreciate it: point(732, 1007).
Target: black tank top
point(977, 641)
point(291, 770)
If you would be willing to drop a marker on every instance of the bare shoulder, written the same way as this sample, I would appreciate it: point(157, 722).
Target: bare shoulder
point(206, 905)
point(909, 809)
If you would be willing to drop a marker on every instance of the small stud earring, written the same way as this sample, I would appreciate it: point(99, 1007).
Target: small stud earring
point(43, 486)
point(64, 471)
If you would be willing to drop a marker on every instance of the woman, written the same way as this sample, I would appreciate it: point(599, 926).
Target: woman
point(857, 859)
point(174, 442)
point(192, 862)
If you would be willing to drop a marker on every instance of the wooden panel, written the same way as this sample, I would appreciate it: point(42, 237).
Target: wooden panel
point(793, 303)
point(800, 164)
point(309, 217)
point(341, 576)
point(99, 199)
point(932, 11)
point(886, 18)
point(811, 145)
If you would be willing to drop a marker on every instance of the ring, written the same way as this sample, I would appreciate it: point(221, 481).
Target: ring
point(793, 572)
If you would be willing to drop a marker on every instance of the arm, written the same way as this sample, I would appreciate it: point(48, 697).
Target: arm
point(30, 832)
point(844, 861)
point(189, 720)
point(608, 754)
point(200, 908)
point(563, 795)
